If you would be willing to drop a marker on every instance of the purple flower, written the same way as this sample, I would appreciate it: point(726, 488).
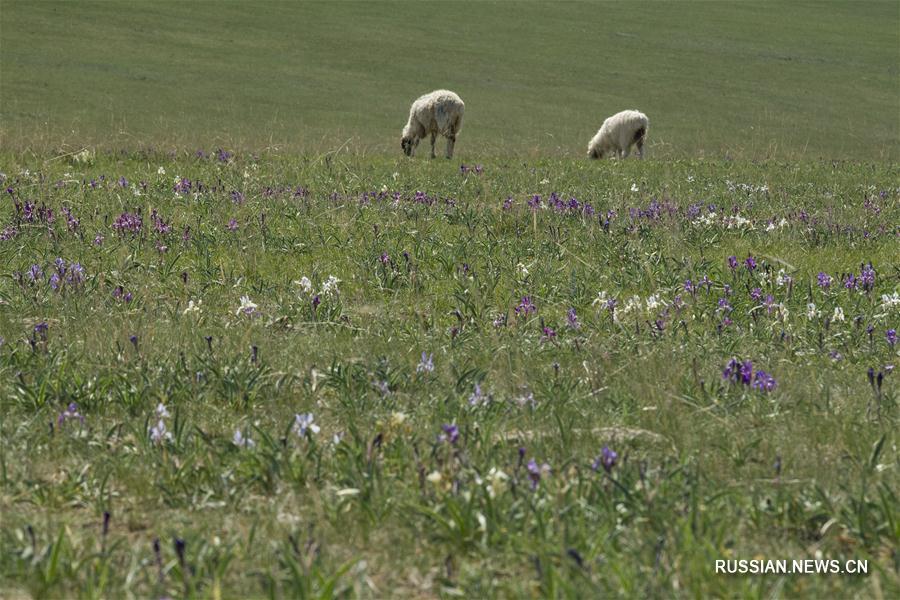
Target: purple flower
point(891, 335)
point(535, 472)
point(304, 423)
point(507, 204)
point(223, 155)
point(525, 307)
point(824, 280)
point(426, 365)
point(607, 460)
point(867, 277)
point(451, 433)
point(534, 202)
point(232, 225)
point(732, 262)
point(71, 412)
point(237, 197)
point(750, 263)
point(123, 182)
point(35, 273)
point(689, 287)
point(572, 319)
point(756, 294)
point(549, 334)
point(385, 258)
point(477, 396)
point(764, 382)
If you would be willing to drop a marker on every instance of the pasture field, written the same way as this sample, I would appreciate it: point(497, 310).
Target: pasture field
point(783, 80)
point(230, 375)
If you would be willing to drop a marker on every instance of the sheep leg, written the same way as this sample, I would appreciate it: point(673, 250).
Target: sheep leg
point(433, 138)
point(451, 141)
point(640, 148)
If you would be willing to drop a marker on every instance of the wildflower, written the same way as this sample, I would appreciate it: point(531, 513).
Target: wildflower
point(385, 258)
point(572, 319)
point(891, 335)
point(607, 460)
point(838, 314)
point(750, 263)
point(451, 433)
point(525, 307)
point(161, 171)
point(549, 334)
point(304, 423)
point(35, 272)
point(241, 441)
point(477, 397)
point(71, 412)
point(732, 262)
point(824, 280)
point(305, 284)
point(652, 302)
point(535, 472)
point(159, 433)
point(193, 307)
point(161, 411)
point(764, 382)
point(247, 307)
point(232, 225)
point(496, 482)
point(867, 278)
point(330, 286)
point(811, 312)
point(237, 197)
point(756, 294)
point(426, 365)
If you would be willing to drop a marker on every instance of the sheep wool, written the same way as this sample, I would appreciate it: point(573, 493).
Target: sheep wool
point(440, 112)
point(619, 133)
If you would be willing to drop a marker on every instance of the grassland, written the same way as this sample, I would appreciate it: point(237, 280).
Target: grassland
point(247, 349)
point(783, 80)
point(634, 313)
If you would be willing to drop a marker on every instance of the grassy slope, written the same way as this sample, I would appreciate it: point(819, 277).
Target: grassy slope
point(749, 79)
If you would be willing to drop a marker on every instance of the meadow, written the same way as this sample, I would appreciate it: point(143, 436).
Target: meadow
point(248, 349)
point(228, 375)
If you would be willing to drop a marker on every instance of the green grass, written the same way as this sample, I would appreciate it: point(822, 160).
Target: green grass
point(740, 79)
point(391, 510)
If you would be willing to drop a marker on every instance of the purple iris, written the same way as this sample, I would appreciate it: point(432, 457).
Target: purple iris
point(525, 307)
point(607, 460)
point(572, 319)
point(451, 433)
point(891, 335)
point(824, 280)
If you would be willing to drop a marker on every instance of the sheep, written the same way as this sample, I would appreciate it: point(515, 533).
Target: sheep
point(441, 111)
point(618, 133)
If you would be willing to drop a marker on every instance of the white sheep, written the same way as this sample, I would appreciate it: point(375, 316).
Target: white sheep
point(618, 133)
point(441, 111)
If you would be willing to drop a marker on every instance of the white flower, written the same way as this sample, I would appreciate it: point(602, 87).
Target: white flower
point(889, 301)
point(161, 171)
point(634, 187)
point(161, 411)
point(305, 284)
point(330, 286)
point(193, 307)
point(159, 433)
point(838, 314)
point(811, 312)
point(242, 442)
point(545, 181)
point(435, 477)
point(304, 423)
point(522, 269)
point(600, 299)
point(652, 302)
point(496, 482)
point(247, 307)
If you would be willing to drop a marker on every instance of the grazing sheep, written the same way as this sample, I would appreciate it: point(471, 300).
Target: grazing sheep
point(618, 133)
point(441, 111)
